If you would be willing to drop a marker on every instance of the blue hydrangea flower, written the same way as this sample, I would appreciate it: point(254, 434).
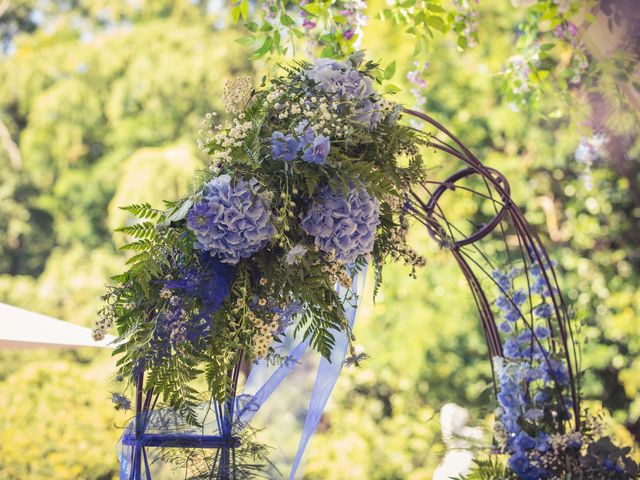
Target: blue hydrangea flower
point(502, 279)
point(318, 150)
point(542, 442)
point(232, 221)
point(511, 348)
point(535, 351)
point(519, 297)
point(210, 281)
point(343, 80)
point(284, 147)
point(513, 315)
point(508, 400)
point(343, 225)
point(510, 422)
point(503, 303)
point(541, 397)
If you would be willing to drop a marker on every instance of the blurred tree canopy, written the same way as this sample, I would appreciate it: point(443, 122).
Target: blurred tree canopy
point(100, 105)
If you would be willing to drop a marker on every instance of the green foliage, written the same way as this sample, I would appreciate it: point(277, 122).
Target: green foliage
point(57, 403)
point(489, 469)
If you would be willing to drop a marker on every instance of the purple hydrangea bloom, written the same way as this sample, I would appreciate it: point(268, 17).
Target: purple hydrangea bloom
point(232, 221)
point(343, 80)
point(284, 147)
point(318, 150)
point(343, 225)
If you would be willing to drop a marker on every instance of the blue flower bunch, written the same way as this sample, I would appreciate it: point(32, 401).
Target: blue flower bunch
point(533, 385)
point(314, 148)
point(529, 377)
point(532, 421)
point(191, 297)
point(344, 226)
point(232, 221)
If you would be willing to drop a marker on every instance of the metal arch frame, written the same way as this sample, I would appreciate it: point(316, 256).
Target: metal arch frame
point(530, 245)
point(430, 215)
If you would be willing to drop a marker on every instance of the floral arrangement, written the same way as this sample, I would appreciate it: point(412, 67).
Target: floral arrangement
point(532, 428)
point(304, 187)
point(311, 179)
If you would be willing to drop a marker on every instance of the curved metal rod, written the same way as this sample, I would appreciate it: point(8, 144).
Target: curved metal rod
point(449, 184)
point(531, 247)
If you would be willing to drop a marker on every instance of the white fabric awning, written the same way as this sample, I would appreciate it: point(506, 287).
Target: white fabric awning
point(24, 329)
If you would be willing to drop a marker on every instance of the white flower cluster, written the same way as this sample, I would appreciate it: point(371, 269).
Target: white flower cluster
point(264, 336)
point(234, 136)
point(336, 270)
point(226, 137)
point(321, 113)
point(99, 331)
point(236, 94)
point(559, 444)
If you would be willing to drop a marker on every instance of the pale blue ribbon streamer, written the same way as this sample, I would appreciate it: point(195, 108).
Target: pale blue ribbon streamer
point(328, 373)
point(326, 378)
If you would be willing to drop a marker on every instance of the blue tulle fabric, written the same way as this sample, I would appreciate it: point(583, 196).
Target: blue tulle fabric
point(264, 379)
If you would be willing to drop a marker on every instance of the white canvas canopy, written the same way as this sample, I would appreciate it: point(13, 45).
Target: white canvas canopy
point(24, 329)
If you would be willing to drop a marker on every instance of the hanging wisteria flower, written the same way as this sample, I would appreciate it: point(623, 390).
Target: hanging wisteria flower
point(232, 221)
point(343, 225)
